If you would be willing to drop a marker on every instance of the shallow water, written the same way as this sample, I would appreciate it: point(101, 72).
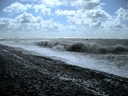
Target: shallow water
point(88, 56)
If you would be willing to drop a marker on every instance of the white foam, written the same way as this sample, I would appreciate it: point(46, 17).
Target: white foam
point(78, 59)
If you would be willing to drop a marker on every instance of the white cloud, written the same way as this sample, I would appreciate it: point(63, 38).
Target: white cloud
point(43, 9)
point(97, 13)
point(56, 3)
point(65, 12)
point(52, 3)
point(17, 7)
point(26, 22)
point(89, 18)
point(91, 13)
point(88, 4)
point(115, 22)
point(5, 22)
point(27, 18)
point(122, 13)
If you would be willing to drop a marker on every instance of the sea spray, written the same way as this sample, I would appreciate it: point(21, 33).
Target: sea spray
point(84, 47)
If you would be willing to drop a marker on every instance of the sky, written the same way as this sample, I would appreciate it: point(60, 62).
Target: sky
point(64, 18)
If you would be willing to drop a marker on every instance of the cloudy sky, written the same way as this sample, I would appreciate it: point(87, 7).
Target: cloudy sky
point(64, 18)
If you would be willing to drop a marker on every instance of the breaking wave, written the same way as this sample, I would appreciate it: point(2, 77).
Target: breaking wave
point(93, 48)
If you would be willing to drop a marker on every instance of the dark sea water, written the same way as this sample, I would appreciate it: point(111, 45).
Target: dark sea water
point(107, 55)
point(94, 46)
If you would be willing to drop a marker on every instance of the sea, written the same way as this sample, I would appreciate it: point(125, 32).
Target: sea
point(106, 55)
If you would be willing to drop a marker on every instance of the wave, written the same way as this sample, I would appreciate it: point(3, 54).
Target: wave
point(84, 47)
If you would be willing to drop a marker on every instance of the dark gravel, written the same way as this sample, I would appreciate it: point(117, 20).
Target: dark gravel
point(23, 74)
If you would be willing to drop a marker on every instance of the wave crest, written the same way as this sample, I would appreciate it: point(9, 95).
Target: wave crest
point(82, 47)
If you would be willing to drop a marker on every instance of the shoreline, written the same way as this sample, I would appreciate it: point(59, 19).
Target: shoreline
point(25, 74)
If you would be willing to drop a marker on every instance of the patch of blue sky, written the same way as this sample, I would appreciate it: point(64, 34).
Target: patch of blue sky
point(111, 6)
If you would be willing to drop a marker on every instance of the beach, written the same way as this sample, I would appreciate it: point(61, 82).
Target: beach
point(24, 74)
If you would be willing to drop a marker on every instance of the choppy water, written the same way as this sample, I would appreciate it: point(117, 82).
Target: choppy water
point(107, 55)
